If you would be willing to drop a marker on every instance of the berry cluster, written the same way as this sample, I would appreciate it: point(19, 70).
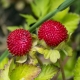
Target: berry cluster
point(52, 32)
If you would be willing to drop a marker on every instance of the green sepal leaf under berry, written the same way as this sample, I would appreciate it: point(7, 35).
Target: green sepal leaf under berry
point(55, 55)
point(47, 72)
point(3, 63)
point(71, 21)
point(77, 70)
point(32, 52)
point(23, 72)
point(21, 59)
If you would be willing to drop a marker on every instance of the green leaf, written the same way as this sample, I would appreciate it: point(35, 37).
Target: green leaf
point(5, 71)
point(21, 59)
point(47, 72)
point(2, 64)
point(55, 55)
point(77, 70)
point(55, 3)
point(24, 72)
point(12, 28)
point(29, 19)
point(40, 7)
point(60, 15)
point(71, 21)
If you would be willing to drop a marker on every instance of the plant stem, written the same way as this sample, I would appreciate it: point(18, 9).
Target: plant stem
point(6, 53)
point(62, 70)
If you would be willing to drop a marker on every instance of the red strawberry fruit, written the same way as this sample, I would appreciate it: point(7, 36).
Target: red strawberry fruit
point(52, 32)
point(19, 42)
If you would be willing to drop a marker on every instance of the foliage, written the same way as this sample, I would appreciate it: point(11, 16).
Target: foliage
point(47, 72)
point(28, 67)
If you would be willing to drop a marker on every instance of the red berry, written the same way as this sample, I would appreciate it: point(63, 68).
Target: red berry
point(19, 42)
point(52, 32)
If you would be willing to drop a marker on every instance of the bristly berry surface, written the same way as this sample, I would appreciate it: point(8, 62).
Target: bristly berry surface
point(52, 32)
point(19, 42)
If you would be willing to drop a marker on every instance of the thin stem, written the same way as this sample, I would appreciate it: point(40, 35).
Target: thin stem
point(62, 70)
point(40, 62)
point(6, 53)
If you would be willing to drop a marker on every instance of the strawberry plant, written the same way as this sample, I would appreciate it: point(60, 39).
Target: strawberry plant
point(41, 48)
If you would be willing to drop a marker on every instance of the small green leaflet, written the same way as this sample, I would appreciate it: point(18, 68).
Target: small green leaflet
point(71, 21)
point(24, 72)
point(21, 59)
point(55, 55)
point(47, 72)
point(77, 70)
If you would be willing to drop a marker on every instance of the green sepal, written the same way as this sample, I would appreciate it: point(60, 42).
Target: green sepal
point(54, 56)
point(32, 52)
point(21, 59)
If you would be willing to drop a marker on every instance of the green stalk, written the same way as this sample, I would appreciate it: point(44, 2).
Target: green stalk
point(64, 5)
point(5, 54)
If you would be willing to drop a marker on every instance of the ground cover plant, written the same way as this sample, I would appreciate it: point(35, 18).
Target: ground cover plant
point(41, 48)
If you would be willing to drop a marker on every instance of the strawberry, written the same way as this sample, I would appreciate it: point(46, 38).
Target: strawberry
point(19, 42)
point(52, 32)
